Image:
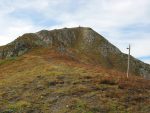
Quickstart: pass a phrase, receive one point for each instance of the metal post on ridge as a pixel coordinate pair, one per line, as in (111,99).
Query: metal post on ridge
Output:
(128,66)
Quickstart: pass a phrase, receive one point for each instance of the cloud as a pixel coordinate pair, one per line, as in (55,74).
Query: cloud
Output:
(120,21)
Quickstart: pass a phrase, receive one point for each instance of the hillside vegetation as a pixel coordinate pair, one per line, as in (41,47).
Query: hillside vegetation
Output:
(45,81)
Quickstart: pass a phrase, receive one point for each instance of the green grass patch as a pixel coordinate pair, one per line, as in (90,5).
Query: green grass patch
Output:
(18,106)
(11,59)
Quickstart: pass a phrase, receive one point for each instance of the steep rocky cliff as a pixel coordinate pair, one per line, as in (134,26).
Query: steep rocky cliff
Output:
(80,43)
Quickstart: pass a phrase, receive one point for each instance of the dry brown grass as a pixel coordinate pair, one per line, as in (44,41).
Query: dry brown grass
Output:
(44,81)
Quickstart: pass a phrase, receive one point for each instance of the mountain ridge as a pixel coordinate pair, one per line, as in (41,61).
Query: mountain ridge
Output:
(82,43)
(72,71)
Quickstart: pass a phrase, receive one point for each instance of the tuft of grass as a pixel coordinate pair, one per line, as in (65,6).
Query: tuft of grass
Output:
(80,106)
(54,73)
(18,106)
(79,89)
(109,81)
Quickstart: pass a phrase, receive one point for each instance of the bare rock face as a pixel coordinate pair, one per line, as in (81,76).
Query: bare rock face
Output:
(20,46)
(87,44)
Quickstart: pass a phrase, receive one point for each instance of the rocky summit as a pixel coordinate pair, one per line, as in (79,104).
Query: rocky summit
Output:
(80,43)
(70,70)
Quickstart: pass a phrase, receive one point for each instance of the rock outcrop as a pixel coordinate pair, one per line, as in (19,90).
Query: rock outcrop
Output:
(83,43)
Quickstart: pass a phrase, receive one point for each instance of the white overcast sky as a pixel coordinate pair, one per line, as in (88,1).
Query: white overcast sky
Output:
(120,21)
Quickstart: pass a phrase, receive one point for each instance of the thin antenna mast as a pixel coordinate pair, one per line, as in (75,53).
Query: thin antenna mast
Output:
(128,68)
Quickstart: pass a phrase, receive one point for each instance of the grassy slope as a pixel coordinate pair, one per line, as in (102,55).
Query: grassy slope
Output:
(46,81)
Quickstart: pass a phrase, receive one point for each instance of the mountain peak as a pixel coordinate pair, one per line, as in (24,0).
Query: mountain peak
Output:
(81,43)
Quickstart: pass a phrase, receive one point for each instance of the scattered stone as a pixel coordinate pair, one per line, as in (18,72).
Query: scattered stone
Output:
(40,87)
(67,106)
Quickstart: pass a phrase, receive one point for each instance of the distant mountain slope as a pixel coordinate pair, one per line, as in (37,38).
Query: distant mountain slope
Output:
(80,43)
